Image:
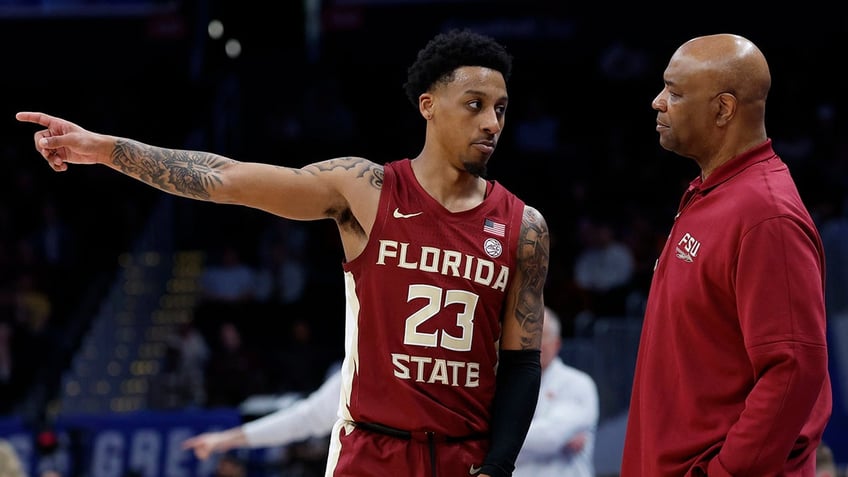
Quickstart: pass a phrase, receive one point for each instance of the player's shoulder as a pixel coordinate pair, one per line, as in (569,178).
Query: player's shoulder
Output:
(532,212)
(345,163)
(348,167)
(534,219)
(534,242)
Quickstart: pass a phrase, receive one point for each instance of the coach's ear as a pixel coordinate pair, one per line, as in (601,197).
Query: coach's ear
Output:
(727,104)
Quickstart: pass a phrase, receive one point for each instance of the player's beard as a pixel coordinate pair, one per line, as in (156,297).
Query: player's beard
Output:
(476,169)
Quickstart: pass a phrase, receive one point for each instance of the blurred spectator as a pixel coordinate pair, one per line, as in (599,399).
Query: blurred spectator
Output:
(54,243)
(309,419)
(300,364)
(294,234)
(645,239)
(194,351)
(235,371)
(10,462)
(282,275)
(54,240)
(181,382)
(561,438)
(174,387)
(229,279)
(603,268)
(283,271)
(825,463)
(33,307)
(26,260)
(10,372)
(36,338)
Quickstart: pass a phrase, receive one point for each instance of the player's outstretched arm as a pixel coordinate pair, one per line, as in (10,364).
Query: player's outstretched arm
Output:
(310,193)
(63,142)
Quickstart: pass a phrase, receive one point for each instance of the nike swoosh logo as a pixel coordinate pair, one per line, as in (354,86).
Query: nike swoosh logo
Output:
(473,470)
(396,214)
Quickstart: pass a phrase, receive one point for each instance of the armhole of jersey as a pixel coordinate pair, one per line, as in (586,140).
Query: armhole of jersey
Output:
(389,181)
(380,217)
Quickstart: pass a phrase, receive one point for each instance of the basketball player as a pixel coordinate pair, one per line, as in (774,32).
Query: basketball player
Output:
(444,269)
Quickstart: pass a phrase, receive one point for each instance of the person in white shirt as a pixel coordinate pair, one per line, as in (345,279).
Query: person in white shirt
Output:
(311,417)
(560,441)
(561,438)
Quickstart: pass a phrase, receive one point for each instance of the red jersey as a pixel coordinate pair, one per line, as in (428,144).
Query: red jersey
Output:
(424,305)
(731,376)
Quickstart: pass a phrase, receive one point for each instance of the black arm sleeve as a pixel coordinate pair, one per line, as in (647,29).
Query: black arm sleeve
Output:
(516,394)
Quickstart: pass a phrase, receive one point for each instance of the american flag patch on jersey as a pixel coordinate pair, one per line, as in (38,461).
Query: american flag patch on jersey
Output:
(494,228)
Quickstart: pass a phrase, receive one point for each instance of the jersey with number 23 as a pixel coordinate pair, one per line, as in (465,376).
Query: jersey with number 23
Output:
(424,303)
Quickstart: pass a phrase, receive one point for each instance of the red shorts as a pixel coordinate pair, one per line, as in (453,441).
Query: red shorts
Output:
(358,453)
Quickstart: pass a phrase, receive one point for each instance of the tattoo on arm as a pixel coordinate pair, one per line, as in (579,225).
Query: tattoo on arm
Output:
(366,169)
(533,256)
(376,175)
(188,173)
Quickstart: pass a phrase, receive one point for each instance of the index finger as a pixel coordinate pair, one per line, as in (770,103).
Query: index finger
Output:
(34,117)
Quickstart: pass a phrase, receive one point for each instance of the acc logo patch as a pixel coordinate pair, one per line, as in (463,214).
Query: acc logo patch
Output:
(493,247)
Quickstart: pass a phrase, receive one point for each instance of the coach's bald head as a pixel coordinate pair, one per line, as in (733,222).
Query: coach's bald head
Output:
(713,105)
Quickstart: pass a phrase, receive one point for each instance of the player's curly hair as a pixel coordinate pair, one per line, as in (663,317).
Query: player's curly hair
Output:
(448,51)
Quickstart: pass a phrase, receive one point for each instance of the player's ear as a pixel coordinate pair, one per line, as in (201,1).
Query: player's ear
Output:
(425,105)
